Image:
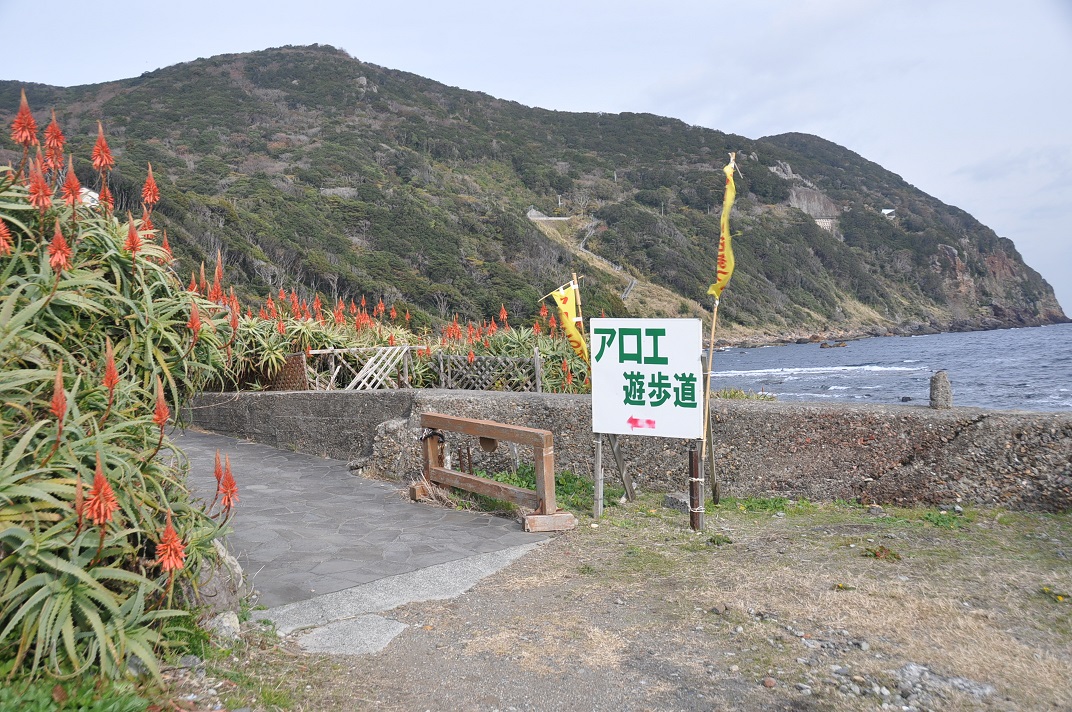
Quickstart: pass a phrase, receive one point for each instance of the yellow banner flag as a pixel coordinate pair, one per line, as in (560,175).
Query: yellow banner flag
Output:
(566,299)
(725,246)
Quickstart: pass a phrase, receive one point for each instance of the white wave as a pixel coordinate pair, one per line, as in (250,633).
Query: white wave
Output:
(811,371)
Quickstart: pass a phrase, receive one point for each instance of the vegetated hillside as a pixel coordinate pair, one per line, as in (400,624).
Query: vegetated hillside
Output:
(312,170)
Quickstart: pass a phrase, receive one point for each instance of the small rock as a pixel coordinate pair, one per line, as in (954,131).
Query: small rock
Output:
(738,629)
(864,645)
(734,668)
(719,609)
(224,626)
(769,682)
(619,602)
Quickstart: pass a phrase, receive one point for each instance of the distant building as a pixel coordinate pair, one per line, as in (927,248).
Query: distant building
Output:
(888,213)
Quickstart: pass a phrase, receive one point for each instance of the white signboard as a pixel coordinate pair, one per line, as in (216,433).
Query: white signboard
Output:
(647,377)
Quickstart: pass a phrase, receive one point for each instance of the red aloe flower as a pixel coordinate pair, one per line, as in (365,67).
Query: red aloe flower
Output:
(147,222)
(569,378)
(407,317)
(391,340)
(101,501)
(543,310)
(502,313)
(353,308)
(362,301)
(105,198)
(24,128)
(5,239)
(72,189)
(192,287)
(59,396)
(166,247)
(471,357)
(170,552)
(394,314)
(281,327)
(102,155)
(133,243)
(40,192)
(150,194)
(218,471)
(59,252)
(536,328)
(111,374)
(228,489)
(54,137)
(161,412)
(195,321)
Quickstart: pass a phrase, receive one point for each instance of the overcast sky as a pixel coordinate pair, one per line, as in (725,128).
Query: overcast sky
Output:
(969,100)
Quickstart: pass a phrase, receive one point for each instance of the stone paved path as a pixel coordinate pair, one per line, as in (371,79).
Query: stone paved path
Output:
(305,526)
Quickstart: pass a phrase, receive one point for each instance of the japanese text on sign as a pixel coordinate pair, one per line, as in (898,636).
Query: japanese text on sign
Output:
(645,374)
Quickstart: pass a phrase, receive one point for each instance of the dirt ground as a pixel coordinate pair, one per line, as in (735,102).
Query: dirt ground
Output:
(774,606)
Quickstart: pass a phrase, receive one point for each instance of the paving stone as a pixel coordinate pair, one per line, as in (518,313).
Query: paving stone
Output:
(305,526)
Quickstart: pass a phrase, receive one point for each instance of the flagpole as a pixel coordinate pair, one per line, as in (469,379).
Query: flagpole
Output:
(707,404)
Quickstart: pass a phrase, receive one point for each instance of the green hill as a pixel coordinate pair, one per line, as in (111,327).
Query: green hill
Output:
(312,170)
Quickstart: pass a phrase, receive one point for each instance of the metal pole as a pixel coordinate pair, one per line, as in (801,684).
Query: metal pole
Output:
(597,505)
(696,496)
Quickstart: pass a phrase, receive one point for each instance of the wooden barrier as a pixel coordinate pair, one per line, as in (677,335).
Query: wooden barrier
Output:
(546,515)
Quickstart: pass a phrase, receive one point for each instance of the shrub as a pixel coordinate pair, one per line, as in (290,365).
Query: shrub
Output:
(99,345)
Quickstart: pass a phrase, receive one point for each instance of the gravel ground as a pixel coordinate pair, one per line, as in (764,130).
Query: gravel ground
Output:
(773,607)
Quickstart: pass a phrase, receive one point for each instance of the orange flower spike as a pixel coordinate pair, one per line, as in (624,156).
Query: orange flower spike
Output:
(161,413)
(362,301)
(58,406)
(166,247)
(407,317)
(536,328)
(502,313)
(391,340)
(192,286)
(6,241)
(102,155)
(24,128)
(105,198)
(353,308)
(101,501)
(133,243)
(72,189)
(170,552)
(40,192)
(59,252)
(218,472)
(228,486)
(472,356)
(147,223)
(543,310)
(111,375)
(150,193)
(394,313)
(54,140)
(195,321)
(569,378)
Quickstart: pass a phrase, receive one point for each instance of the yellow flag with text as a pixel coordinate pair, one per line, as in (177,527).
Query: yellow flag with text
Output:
(725,246)
(566,299)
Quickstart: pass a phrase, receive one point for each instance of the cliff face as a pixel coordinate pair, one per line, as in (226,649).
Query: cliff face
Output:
(311,170)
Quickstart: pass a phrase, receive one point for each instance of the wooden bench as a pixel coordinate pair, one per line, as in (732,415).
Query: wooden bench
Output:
(546,515)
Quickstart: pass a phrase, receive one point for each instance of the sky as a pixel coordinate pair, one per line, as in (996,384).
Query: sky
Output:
(968,100)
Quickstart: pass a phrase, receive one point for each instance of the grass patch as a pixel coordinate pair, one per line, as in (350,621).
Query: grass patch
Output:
(738,394)
(760,505)
(572,492)
(882,552)
(85,695)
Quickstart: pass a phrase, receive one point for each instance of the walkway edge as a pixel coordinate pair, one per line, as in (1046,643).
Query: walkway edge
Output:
(438,582)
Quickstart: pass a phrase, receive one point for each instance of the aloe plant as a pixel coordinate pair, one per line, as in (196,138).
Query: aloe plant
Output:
(99,344)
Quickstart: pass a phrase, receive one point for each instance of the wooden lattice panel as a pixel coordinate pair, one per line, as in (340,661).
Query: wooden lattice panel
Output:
(359,369)
(489,373)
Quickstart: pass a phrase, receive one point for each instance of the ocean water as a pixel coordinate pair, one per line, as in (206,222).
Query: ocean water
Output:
(1010,369)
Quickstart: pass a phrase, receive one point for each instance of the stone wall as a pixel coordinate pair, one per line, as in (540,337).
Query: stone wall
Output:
(885,454)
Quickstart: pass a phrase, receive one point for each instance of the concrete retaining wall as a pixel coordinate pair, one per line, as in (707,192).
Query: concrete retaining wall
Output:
(884,454)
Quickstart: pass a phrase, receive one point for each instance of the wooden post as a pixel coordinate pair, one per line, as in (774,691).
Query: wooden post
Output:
(597,476)
(696,496)
(627,479)
(545,478)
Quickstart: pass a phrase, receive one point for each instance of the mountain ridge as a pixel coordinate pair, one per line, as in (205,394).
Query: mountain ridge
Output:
(312,170)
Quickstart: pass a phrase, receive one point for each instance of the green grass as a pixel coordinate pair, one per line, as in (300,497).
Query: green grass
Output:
(84,695)
(765,505)
(572,492)
(738,394)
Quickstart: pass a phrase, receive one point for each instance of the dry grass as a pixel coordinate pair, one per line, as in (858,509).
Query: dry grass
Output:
(620,615)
